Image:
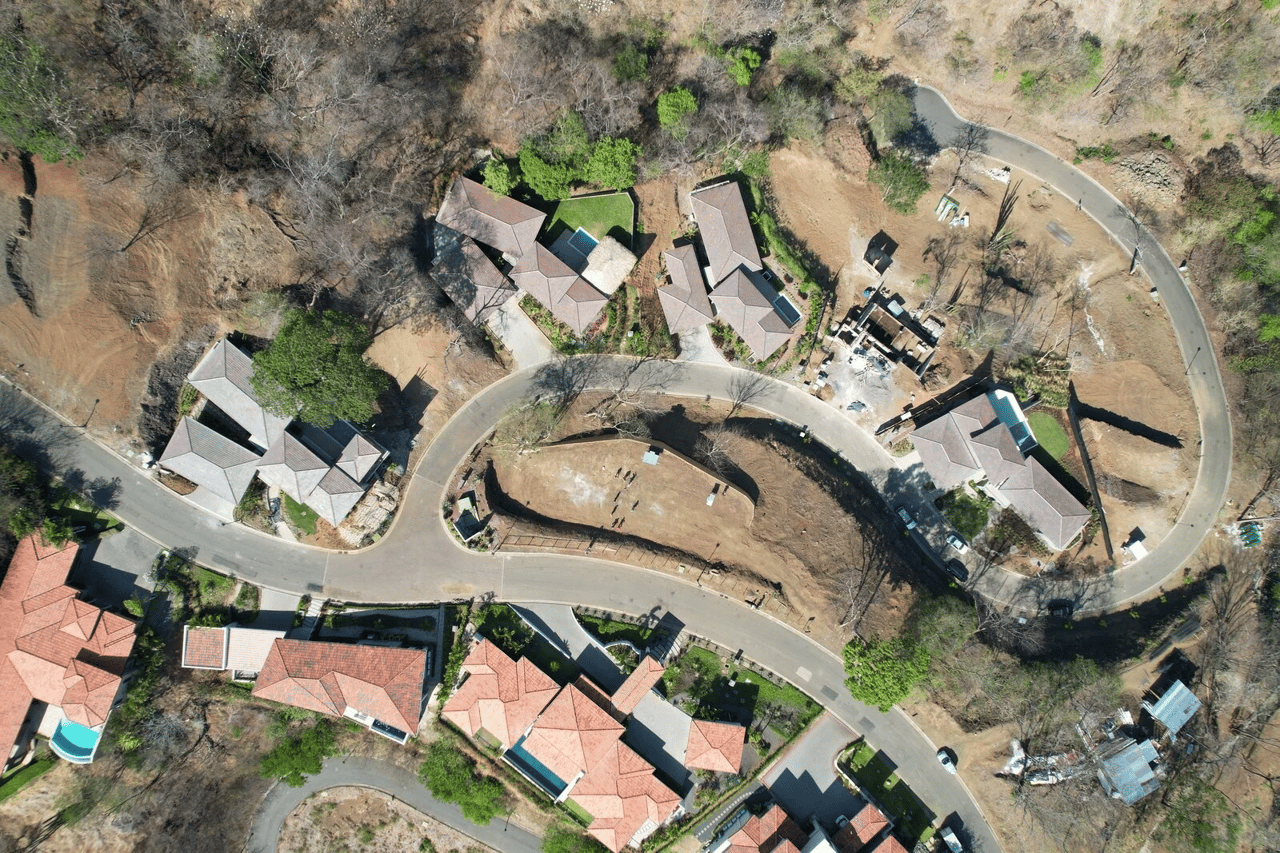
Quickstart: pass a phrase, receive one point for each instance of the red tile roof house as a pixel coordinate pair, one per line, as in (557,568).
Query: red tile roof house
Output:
(60,658)
(742,297)
(377,686)
(772,832)
(567,740)
(986,440)
(861,829)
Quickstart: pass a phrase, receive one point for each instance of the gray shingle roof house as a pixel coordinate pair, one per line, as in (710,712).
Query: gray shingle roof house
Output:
(684,301)
(725,229)
(1174,709)
(1128,769)
(493,220)
(326,469)
(210,460)
(222,376)
(974,442)
(744,300)
(554,284)
(466,274)
(740,294)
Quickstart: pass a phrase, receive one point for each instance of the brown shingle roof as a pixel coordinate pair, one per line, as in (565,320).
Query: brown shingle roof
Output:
(223,376)
(209,459)
(557,287)
(204,648)
(494,220)
(361,455)
(970,441)
(500,695)
(471,280)
(54,647)
(725,229)
(744,300)
(715,746)
(382,682)
(684,301)
(638,683)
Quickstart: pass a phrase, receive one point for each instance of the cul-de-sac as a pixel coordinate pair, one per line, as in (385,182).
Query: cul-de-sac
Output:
(570,426)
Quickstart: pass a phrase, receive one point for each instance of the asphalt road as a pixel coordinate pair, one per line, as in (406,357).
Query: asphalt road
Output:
(395,781)
(1201,507)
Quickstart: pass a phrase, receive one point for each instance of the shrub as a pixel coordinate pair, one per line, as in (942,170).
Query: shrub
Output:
(743,61)
(673,106)
(613,163)
(631,65)
(901,182)
(452,777)
(498,175)
(300,756)
(551,181)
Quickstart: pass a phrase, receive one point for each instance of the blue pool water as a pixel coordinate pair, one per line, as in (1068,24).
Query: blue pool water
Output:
(583,242)
(535,769)
(74,742)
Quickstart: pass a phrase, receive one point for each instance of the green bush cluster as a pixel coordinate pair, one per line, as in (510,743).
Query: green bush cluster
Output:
(1046,374)
(884,672)
(452,777)
(674,106)
(302,755)
(900,180)
(967,514)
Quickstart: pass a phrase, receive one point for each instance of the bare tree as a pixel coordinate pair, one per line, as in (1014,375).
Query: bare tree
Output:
(969,142)
(718,445)
(745,388)
(945,250)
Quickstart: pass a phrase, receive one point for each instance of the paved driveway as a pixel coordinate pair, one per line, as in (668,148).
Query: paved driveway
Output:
(114,567)
(281,800)
(529,347)
(805,782)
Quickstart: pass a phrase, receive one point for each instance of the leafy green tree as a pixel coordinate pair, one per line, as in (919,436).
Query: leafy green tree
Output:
(300,756)
(22,495)
(631,65)
(673,107)
(883,672)
(892,115)
(743,62)
(34,112)
(452,777)
(900,180)
(498,175)
(560,839)
(613,163)
(551,181)
(567,142)
(314,369)
(858,84)
(57,530)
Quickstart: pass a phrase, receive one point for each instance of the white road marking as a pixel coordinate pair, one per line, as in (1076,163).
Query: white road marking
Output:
(804,674)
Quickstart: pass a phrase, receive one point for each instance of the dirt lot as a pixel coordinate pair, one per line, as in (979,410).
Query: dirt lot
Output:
(801,540)
(361,819)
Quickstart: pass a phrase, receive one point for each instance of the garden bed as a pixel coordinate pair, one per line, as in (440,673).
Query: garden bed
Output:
(882,784)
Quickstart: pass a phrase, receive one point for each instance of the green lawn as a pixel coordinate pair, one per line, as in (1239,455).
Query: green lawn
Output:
(611,631)
(968,515)
(1049,434)
(883,784)
(612,215)
(791,709)
(302,516)
(80,512)
(19,779)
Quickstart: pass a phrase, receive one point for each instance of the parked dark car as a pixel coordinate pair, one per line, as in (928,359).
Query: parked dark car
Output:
(907,518)
(957,570)
(1060,608)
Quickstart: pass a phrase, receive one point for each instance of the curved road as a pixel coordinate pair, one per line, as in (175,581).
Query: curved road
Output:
(1201,507)
(398,783)
(419,561)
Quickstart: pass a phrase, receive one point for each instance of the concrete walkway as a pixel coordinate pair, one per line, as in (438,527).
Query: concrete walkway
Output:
(400,784)
(528,346)
(697,346)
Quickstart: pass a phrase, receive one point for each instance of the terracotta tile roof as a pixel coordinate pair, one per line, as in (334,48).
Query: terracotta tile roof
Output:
(888,844)
(204,648)
(490,219)
(744,300)
(626,801)
(725,229)
(766,833)
(572,734)
(715,746)
(209,460)
(684,301)
(597,694)
(223,376)
(970,442)
(382,682)
(862,827)
(639,682)
(555,285)
(53,647)
(500,695)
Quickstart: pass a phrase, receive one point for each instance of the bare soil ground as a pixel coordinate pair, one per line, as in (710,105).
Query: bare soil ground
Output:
(361,819)
(801,541)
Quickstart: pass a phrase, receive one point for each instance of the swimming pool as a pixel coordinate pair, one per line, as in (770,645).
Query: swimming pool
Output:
(534,769)
(74,742)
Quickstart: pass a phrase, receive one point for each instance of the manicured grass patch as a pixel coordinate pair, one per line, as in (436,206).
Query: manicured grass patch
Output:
(701,672)
(1049,434)
(580,814)
(301,516)
(600,216)
(21,778)
(611,631)
(80,511)
(883,784)
(967,514)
